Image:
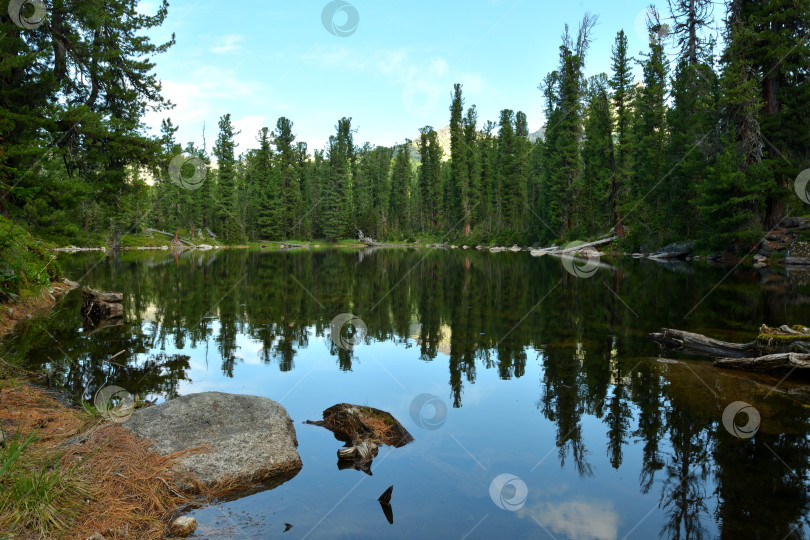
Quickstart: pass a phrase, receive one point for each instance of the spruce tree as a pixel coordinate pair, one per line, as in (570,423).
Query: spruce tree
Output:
(649,137)
(267,190)
(228,214)
(459,187)
(471,198)
(401,179)
(593,192)
(287,163)
(621,84)
(488,152)
(563,91)
(430,180)
(335,193)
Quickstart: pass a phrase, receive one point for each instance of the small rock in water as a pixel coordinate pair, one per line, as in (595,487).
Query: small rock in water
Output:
(183,526)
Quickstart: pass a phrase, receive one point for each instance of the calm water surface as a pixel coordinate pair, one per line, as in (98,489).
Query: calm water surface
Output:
(543,376)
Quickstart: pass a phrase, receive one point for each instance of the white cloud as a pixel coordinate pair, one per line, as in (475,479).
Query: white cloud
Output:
(439,66)
(333,57)
(399,66)
(193,98)
(578,519)
(249,127)
(228,44)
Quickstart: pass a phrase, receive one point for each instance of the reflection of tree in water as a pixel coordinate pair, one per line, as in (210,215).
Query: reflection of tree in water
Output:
(482,311)
(762,483)
(648,396)
(683,492)
(561,403)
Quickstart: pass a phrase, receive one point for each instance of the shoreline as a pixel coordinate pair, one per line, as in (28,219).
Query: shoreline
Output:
(583,250)
(15,312)
(124,487)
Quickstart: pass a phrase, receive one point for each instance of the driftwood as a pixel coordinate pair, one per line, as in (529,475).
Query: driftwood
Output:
(769,363)
(171,235)
(596,244)
(367,240)
(364,430)
(776,350)
(689,343)
(101,309)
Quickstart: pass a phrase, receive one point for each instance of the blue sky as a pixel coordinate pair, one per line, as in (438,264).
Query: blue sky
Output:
(259,60)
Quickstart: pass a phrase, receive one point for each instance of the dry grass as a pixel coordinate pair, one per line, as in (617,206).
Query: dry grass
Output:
(378,425)
(103,479)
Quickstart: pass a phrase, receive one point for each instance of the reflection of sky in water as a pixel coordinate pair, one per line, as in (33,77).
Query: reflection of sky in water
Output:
(441,481)
(577,519)
(585,461)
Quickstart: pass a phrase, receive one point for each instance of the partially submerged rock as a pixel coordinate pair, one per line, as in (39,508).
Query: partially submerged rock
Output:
(183,526)
(679,250)
(240,440)
(799,253)
(363,429)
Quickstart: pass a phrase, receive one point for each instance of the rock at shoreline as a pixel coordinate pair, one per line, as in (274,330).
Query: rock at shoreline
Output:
(250,439)
(183,526)
(799,253)
(680,250)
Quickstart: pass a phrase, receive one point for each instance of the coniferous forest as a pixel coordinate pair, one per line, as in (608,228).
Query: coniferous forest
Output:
(706,146)
(157,386)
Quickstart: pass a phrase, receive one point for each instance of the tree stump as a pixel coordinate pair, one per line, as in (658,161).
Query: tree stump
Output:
(98,306)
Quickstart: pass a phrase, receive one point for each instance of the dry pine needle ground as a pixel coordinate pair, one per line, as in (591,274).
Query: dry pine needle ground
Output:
(114,485)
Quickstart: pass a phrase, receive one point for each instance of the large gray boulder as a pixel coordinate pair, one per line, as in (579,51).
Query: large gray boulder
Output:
(251,439)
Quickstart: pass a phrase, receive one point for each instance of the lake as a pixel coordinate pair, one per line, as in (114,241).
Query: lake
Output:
(538,406)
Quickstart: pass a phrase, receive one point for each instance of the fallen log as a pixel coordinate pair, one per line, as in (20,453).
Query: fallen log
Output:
(171,235)
(769,363)
(596,244)
(690,343)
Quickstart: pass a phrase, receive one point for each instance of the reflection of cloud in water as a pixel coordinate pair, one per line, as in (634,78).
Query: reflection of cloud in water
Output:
(578,519)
